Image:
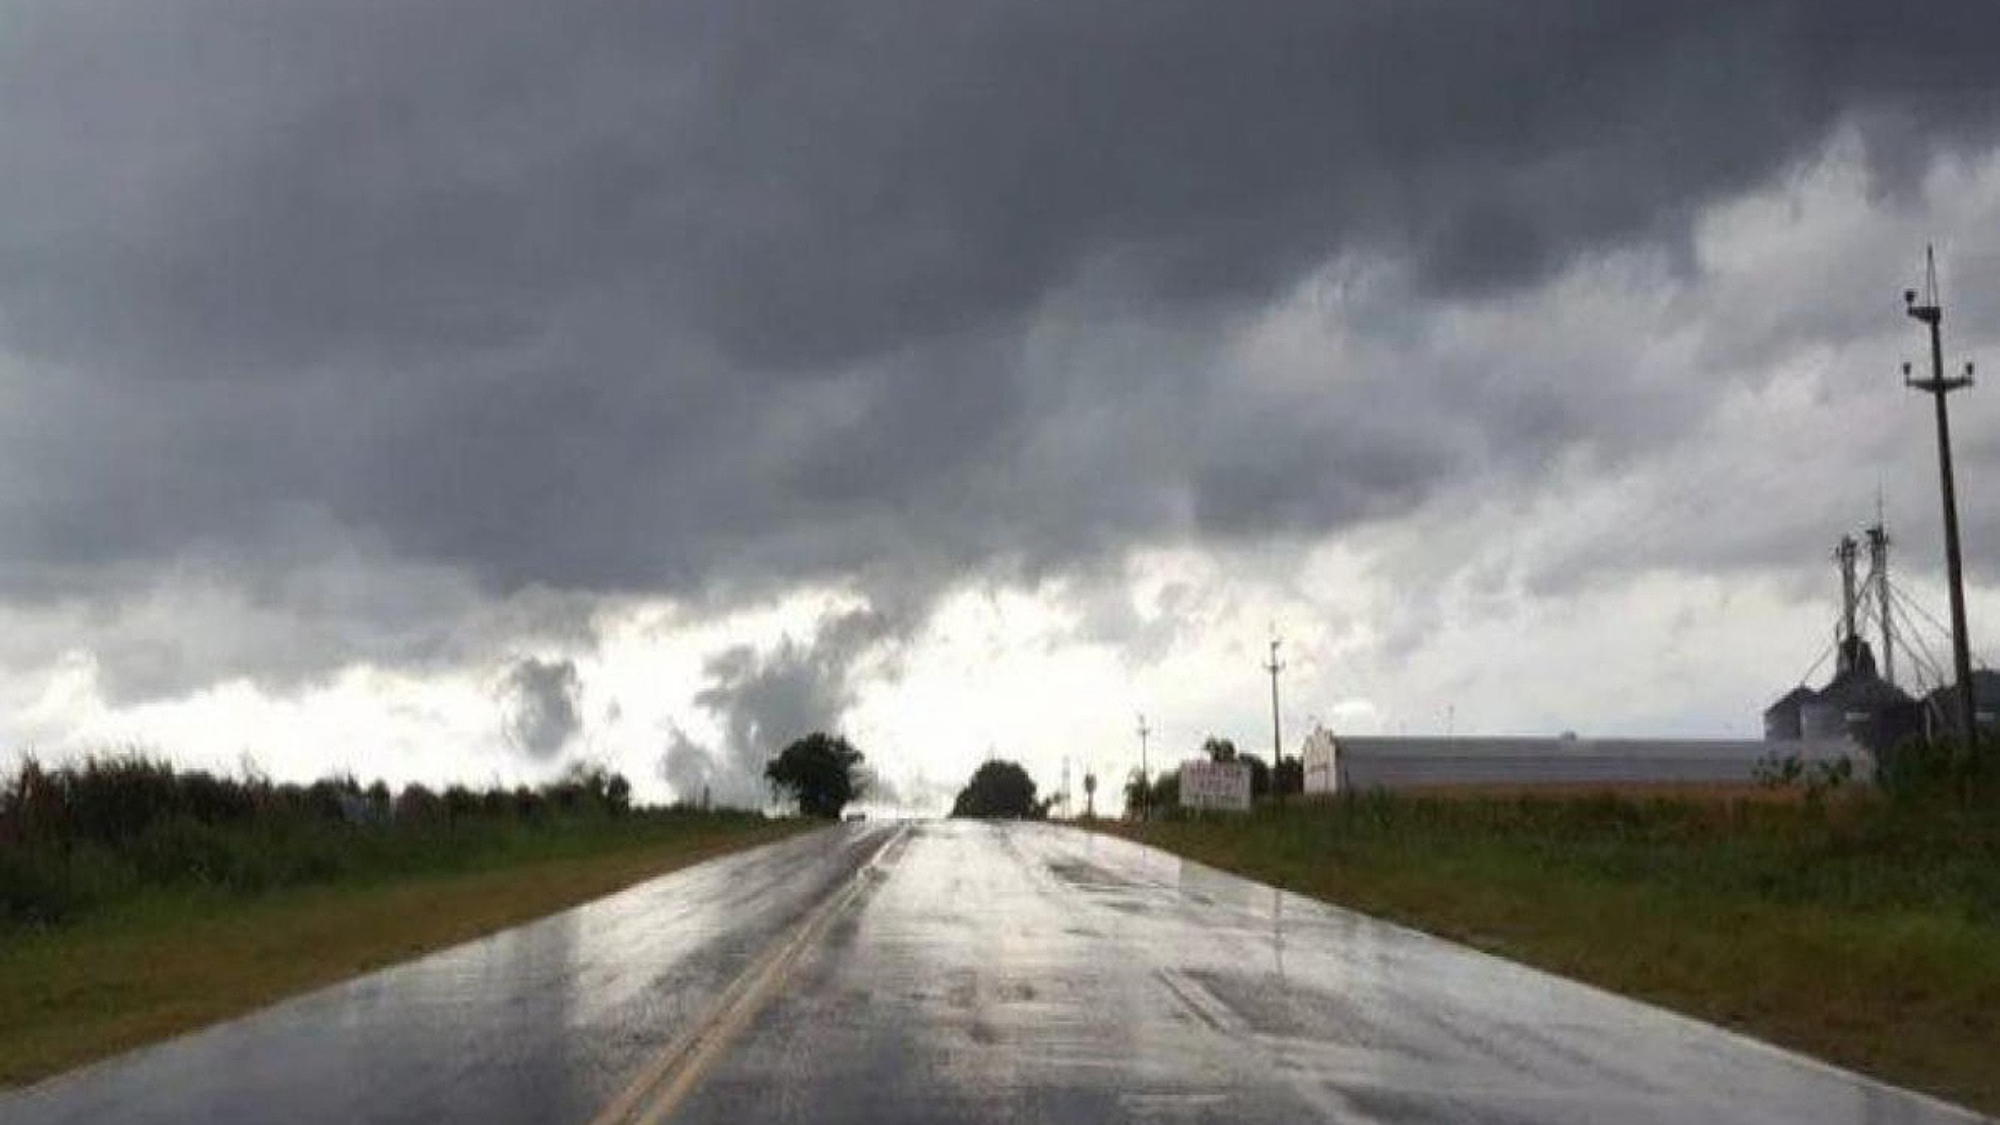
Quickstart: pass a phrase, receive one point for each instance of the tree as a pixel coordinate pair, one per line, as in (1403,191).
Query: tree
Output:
(1135,796)
(1260,774)
(820,772)
(1159,799)
(1089,795)
(1290,775)
(1218,749)
(999,789)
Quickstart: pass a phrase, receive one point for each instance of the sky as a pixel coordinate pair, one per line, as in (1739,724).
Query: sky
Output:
(444,390)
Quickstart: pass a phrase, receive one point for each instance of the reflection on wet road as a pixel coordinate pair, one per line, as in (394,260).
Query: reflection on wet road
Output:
(963,972)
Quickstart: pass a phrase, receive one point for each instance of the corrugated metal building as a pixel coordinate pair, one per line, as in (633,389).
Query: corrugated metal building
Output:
(1942,703)
(1340,763)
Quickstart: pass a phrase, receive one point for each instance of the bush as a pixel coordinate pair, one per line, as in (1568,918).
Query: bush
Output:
(1791,771)
(1920,771)
(77,837)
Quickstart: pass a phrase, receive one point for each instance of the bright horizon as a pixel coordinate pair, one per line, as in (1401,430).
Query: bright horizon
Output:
(444,399)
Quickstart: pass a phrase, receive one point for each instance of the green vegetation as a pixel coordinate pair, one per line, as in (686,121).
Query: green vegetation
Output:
(820,772)
(1861,927)
(80,839)
(1163,793)
(1000,789)
(137,901)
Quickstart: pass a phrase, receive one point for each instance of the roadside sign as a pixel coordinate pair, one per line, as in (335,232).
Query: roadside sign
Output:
(1215,785)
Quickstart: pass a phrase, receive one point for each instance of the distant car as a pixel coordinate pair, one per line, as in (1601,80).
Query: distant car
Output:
(856,816)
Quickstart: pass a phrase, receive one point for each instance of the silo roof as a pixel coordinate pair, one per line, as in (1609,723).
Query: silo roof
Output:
(1862,687)
(1793,698)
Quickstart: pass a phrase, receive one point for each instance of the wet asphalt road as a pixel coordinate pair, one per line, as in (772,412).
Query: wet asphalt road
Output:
(962,972)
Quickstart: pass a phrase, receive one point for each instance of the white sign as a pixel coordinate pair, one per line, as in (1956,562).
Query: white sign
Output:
(1215,785)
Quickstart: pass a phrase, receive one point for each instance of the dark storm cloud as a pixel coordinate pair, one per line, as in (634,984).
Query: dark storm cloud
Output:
(671,297)
(542,703)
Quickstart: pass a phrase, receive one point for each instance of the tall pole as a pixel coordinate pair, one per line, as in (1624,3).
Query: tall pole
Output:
(1145,777)
(1930,312)
(1878,566)
(1277,732)
(1843,554)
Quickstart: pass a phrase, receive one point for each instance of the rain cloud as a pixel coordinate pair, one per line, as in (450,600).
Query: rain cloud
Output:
(703,300)
(763,700)
(542,701)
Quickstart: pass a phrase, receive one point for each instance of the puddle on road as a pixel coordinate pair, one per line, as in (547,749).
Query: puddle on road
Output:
(1085,875)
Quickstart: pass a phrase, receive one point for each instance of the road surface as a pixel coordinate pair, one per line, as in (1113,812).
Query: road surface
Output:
(951,971)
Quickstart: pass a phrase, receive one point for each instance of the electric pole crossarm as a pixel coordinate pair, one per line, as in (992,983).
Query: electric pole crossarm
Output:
(1929,311)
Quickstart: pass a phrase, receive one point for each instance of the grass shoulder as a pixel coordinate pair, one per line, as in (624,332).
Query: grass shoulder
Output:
(170,958)
(1852,930)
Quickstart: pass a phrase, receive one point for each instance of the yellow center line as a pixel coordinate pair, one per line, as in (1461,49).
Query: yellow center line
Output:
(676,1070)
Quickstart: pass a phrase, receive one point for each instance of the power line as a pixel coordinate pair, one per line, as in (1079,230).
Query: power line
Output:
(1903,596)
(1823,654)
(1927,658)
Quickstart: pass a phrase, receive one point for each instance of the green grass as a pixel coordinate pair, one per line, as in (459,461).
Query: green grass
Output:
(161,957)
(1859,930)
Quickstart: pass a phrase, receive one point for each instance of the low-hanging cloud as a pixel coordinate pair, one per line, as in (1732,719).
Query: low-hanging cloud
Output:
(689,769)
(542,703)
(763,700)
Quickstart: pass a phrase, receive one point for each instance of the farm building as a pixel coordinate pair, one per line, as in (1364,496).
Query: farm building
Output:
(1857,704)
(1342,763)
(1941,704)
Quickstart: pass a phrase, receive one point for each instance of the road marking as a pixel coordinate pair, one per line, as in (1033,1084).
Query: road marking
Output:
(674,1072)
(1203,1004)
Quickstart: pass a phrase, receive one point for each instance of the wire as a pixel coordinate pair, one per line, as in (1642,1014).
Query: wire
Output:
(1920,652)
(1942,629)
(1823,654)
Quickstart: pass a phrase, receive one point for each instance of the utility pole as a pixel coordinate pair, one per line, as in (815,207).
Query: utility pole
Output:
(1145,777)
(1277,732)
(1930,312)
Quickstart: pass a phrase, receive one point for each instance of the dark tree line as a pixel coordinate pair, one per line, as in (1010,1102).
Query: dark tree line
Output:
(1000,789)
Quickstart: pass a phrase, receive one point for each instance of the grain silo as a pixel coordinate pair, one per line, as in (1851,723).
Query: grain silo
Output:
(1784,720)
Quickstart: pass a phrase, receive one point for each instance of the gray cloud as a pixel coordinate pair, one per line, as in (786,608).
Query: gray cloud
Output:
(690,769)
(707,298)
(765,699)
(542,701)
